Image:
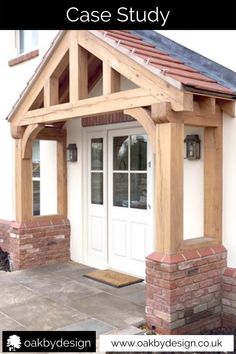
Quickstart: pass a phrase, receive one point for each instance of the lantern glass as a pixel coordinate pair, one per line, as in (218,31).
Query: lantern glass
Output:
(72,153)
(192,147)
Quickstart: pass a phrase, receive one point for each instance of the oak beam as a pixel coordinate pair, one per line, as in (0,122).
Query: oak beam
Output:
(17,131)
(111,79)
(78,69)
(61,177)
(169,187)
(213,183)
(51,92)
(201,116)
(207,105)
(227,106)
(51,134)
(144,118)
(90,106)
(24,208)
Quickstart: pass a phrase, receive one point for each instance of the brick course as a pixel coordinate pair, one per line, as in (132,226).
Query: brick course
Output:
(111,118)
(184,292)
(36,243)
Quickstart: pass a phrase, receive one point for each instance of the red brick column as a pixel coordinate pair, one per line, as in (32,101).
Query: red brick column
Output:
(36,243)
(184,291)
(229,298)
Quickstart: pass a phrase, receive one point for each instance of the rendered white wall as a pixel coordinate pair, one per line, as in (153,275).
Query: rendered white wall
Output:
(13,81)
(48,177)
(194,191)
(76,207)
(229,188)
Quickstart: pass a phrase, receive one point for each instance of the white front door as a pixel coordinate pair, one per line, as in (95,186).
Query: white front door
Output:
(130,233)
(120,233)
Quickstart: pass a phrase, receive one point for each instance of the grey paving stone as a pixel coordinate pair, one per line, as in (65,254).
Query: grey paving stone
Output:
(8,324)
(90,324)
(41,314)
(14,294)
(111,309)
(68,291)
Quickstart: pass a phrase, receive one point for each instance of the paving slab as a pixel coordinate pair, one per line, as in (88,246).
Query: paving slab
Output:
(13,294)
(90,324)
(111,309)
(67,291)
(41,314)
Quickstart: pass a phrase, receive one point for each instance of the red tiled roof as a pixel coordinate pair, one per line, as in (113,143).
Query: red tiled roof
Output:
(169,65)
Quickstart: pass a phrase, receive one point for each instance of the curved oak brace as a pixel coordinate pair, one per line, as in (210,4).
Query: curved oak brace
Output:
(29,135)
(144,118)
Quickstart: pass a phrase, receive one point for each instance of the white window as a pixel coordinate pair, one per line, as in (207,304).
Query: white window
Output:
(27,40)
(36,177)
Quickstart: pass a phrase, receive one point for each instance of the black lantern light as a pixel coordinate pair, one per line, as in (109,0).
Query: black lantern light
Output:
(72,152)
(193,147)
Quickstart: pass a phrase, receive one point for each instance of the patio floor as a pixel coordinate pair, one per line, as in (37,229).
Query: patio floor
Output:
(59,297)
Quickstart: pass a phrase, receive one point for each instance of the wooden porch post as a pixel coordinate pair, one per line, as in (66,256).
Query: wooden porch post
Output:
(23,184)
(169,187)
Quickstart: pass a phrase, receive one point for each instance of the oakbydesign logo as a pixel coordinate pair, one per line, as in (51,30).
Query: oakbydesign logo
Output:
(13,343)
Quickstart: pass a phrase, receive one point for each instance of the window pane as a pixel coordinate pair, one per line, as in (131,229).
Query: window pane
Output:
(120,189)
(97,188)
(28,41)
(36,159)
(138,190)
(97,154)
(138,151)
(36,151)
(120,153)
(36,197)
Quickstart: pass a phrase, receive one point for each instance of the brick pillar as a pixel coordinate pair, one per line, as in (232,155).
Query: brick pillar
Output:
(184,291)
(36,243)
(229,298)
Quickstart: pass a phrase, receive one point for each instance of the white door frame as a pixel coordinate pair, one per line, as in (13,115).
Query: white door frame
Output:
(103,131)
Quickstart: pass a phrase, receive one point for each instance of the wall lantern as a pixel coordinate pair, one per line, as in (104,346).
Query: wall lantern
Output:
(72,152)
(193,147)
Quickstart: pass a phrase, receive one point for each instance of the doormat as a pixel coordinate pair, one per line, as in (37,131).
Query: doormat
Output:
(110,277)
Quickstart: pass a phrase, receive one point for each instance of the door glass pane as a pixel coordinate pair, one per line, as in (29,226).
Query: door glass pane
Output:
(120,189)
(120,153)
(138,190)
(138,152)
(36,198)
(97,154)
(97,188)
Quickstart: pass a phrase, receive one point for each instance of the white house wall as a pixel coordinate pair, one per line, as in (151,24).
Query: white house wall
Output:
(229,190)
(13,81)
(194,191)
(48,177)
(75,190)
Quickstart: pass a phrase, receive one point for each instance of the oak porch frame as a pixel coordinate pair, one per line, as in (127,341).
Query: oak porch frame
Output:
(161,107)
